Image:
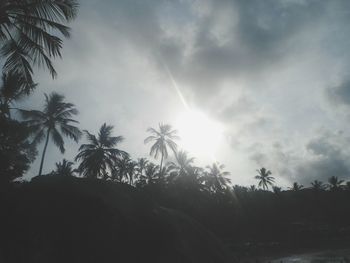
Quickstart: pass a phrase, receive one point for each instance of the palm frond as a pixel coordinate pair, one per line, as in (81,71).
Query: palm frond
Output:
(71,131)
(58,140)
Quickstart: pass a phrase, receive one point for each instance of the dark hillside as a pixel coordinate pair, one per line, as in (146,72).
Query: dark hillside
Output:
(67,219)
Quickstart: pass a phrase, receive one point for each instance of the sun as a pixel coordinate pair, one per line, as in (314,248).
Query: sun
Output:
(199,135)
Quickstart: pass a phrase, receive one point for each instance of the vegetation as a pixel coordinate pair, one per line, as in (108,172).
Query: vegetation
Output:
(64,168)
(53,122)
(265,180)
(29,35)
(99,156)
(16,152)
(163,138)
(296,187)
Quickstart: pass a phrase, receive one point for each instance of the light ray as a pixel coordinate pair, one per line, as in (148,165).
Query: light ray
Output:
(193,121)
(176,87)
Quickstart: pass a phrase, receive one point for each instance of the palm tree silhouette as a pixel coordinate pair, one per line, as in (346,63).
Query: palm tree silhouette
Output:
(335,183)
(64,168)
(277,190)
(317,185)
(252,188)
(183,163)
(11,91)
(29,33)
(150,172)
(163,138)
(124,168)
(141,166)
(193,178)
(216,179)
(99,155)
(54,121)
(265,180)
(296,187)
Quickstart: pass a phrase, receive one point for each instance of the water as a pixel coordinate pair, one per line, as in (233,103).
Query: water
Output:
(334,256)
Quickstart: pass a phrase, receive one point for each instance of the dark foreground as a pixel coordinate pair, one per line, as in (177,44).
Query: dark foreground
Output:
(58,219)
(67,219)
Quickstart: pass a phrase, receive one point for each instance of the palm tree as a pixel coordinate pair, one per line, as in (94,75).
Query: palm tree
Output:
(54,121)
(183,163)
(277,190)
(216,179)
(98,157)
(265,180)
(29,32)
(124,168)
(193,178)
(296,187)
(150,173)
(141,166)
(163,138)
(317,185)
(11,91)
(335,183)
(64,168)
(252,188)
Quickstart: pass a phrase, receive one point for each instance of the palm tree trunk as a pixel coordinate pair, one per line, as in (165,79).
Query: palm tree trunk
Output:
(44,151)
(161,166)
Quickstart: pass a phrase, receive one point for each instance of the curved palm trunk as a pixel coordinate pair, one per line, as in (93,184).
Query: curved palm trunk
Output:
(44,151)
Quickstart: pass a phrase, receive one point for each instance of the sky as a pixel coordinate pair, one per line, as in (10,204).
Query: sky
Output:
(269,78)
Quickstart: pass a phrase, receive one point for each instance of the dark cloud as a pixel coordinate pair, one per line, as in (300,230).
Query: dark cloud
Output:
(230,39)
(327,155)
(330,157)
(340,95)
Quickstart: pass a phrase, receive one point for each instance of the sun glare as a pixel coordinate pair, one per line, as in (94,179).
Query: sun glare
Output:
(200,135)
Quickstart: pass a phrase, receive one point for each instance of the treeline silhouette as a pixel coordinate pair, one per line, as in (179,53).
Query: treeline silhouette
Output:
(298,216)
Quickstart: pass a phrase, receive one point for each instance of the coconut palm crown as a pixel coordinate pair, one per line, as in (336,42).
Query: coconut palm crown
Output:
(98,157)
(265,178)
(54,121)
(162,138)
(29,34)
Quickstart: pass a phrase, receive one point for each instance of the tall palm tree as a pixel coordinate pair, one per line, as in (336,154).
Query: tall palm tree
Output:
(296,187)
(11,90)
(163,138)
(317,185)
(335,183)
(29,31)
(265,180)
(98,157)
(54,121)
(64,168)
(215,178)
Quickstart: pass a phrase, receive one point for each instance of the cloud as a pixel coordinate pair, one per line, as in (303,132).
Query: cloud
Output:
(260,68)
(325,155)
(340,95)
